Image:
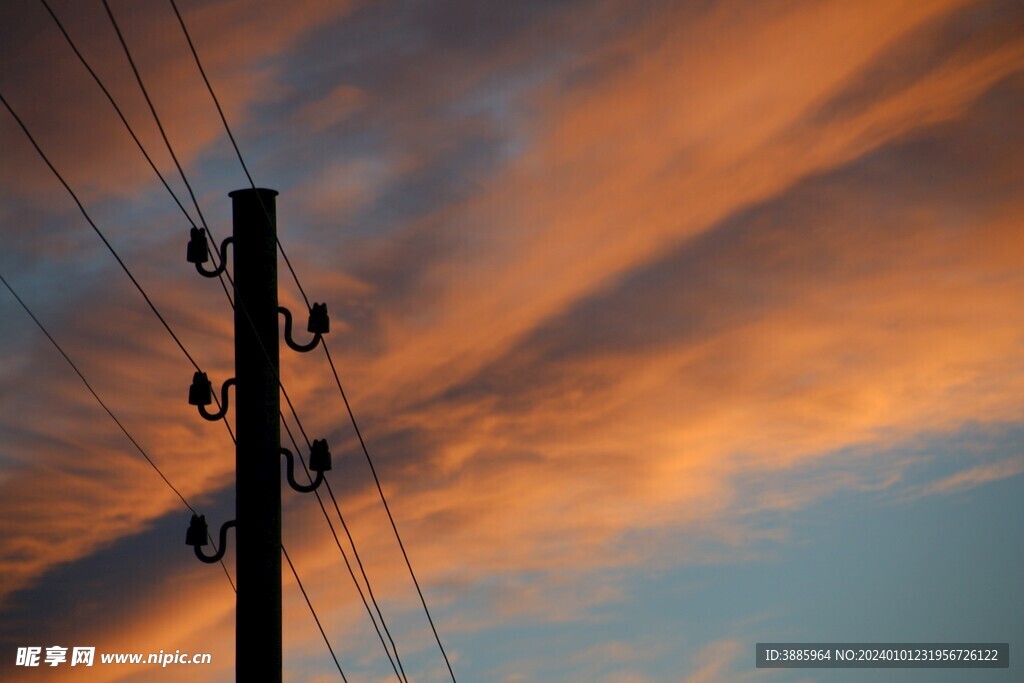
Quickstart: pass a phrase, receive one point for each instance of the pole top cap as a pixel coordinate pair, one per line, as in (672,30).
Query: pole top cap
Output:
(249,190)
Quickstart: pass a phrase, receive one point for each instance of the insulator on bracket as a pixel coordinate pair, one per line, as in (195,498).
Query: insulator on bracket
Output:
(319,462)
(197,531)
(319,324)
(319,456)
(197,250)
(201,391)
(201,394)
(197,536)
(319,321)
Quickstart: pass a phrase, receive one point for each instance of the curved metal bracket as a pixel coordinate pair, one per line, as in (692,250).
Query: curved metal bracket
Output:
(213,417)
(301,348)
(301,488)
(216,557)
(223,261)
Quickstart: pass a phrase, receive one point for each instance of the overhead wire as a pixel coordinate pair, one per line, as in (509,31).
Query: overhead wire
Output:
(238,152)
(138,143)
(131,132)
(94,394)
(399,670)
(188,185)
(313,612)
(355,551)
(387,508)
(108,411)
(348,407)
(120,261)
(199,212)
(167,186)
(128,272)
(152,109)
(163,135)
(106,242)
(141,147)
(120,114)
(96,229)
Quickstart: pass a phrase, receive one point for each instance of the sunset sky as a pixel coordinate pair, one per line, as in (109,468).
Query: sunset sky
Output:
(672,327)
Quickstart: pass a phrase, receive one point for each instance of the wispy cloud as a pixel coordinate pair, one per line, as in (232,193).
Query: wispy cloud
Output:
(714,662)
(970,478)
(596,277)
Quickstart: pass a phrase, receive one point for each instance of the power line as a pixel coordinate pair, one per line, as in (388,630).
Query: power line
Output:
(131,132)
(362,570)
(184,178)
(313,612)
(99,232)
(113,252)
(241,303)
(128,272)
(348,565)
(295,415)
(152,109)
(107,409)
(163,134)
(295,276)
(234,144)
(94,394)
(105,241)
(148,459)
(209,87)
(387,509)
(120,114)
(341,517)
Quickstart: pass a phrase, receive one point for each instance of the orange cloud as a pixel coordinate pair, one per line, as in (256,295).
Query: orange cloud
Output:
(76,125)
(720,254)
(715,661)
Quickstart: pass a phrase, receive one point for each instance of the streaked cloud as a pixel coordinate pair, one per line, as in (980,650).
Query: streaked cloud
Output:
(714,662)
(599,277)
(975,476)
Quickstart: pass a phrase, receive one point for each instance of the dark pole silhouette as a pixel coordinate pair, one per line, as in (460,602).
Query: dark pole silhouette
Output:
(258,451)
(257,523)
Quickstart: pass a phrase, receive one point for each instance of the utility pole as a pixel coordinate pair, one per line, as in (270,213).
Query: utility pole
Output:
(258,427)
(258,448)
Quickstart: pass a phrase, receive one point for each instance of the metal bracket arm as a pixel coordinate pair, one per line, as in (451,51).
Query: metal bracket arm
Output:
(213,417)
(223,261)
(301,348)
(223,545)
(301,488)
